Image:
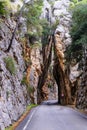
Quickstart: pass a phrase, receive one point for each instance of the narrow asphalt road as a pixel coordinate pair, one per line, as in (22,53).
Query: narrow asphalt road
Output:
(50,116)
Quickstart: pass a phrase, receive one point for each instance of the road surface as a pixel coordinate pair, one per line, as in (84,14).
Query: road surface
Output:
(53,117)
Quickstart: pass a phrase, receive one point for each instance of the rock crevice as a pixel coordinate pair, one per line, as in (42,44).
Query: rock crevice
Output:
(13,95)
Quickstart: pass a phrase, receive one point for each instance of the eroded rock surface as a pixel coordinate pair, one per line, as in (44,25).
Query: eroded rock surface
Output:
(13,95)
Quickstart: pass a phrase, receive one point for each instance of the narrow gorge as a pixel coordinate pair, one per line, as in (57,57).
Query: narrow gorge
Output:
(36,67)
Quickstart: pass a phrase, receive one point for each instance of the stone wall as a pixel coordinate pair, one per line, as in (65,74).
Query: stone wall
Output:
(13,95)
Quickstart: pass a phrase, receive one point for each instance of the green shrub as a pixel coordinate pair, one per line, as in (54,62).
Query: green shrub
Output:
(33,37)
(78,32)
(30,89)
(79,1)
(24,81)
(49,85)
(4,7)
(10,64)
(36,45)
(32,15)
(74,1)
(46,32)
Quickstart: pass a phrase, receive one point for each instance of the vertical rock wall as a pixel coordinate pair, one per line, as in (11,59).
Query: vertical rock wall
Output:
(78,83)
(62,13)
(81,101)
(13,95)
(35,70)
(59,12)
(50,87)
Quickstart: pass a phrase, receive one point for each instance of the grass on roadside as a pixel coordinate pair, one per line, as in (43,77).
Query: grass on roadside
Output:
(29,107)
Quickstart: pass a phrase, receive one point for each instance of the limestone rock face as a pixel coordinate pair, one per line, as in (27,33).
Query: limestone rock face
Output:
(59,72)
(50,87)
(35,70)
(59,11)
(62,14)
(55,11)
(59,50)
(74,73)
(13,95)
(46,10)
(53,92)
(81,101)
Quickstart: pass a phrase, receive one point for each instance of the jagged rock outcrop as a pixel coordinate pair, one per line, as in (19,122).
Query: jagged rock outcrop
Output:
(59,11)
(62,14)
(74,77)
(81,101)
(13,95)
(77,82)
(35,70)
(33,73)
(64,91)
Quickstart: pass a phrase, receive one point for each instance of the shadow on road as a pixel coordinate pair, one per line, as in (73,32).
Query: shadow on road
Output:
(50,102)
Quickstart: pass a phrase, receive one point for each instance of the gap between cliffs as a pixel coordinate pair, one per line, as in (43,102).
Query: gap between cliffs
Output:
(64,92)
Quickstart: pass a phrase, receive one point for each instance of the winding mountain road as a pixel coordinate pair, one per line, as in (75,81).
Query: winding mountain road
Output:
(53,117)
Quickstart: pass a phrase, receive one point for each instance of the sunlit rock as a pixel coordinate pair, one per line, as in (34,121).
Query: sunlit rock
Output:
(74,73)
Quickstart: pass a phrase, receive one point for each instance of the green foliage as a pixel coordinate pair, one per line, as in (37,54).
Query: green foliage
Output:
(36,45)
(49,85)
(28,61)
(9,128)
(30,88)
(32,15)
(10,64)
(33,37)
(4,7)
(24,80)
(46,32)
(30,106)
(81,2)
(77,2)
(54,26)
(78,31)
(32,12)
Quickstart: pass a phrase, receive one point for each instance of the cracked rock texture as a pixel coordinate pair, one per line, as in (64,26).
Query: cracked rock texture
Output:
(13,95)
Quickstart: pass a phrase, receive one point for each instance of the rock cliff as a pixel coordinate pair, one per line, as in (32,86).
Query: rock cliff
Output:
(22,66)
(13,95)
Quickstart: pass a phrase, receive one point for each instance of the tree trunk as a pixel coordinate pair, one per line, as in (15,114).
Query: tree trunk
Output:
(14,32)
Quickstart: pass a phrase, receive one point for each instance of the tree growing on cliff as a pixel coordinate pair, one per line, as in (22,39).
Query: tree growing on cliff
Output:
(31,11)
(4,7)
(77,51)
(78,32)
